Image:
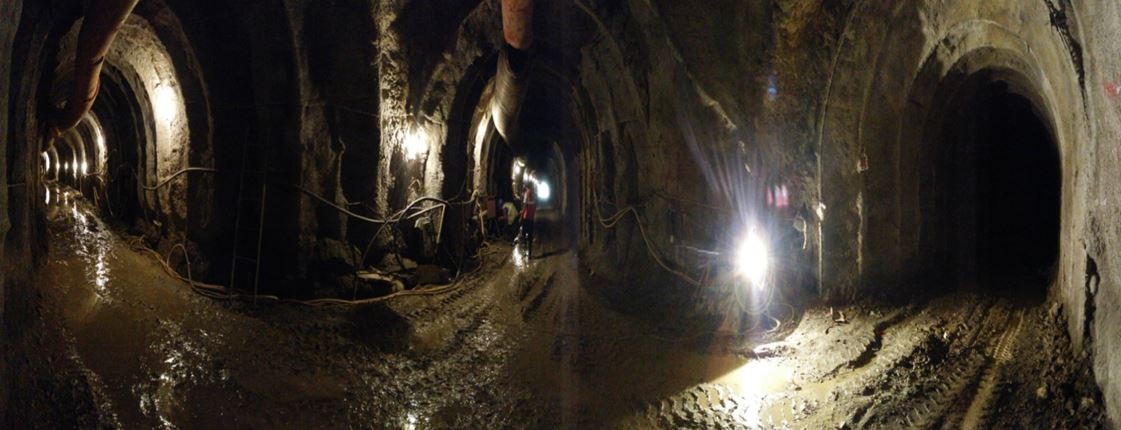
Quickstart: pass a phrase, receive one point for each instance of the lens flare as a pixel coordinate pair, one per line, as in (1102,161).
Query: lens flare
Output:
(753,260)
(415,144)
(543,190)
(166,103)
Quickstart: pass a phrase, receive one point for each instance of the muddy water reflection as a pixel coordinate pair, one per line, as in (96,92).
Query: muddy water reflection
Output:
(520,345)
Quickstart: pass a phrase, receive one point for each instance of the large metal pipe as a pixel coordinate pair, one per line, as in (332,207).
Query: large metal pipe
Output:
(517,23)
(513,63)
(103,19)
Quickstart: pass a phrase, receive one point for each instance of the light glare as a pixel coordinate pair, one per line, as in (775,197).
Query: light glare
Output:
(166,103)
(543,190)
(415,145)
(752,259)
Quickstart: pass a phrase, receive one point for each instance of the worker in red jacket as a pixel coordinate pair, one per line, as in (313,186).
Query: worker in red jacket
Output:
(529,211)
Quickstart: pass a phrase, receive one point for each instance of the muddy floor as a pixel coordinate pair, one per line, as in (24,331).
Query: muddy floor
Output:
(116,342)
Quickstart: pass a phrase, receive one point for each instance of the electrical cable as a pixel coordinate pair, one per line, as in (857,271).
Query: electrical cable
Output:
(219,292)
(759,310)
(612,221)
(177,174)
(337,207)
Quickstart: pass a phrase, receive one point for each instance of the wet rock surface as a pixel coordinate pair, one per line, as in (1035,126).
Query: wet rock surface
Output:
(522,344)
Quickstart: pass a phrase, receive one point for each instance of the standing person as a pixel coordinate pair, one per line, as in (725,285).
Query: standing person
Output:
(529,211)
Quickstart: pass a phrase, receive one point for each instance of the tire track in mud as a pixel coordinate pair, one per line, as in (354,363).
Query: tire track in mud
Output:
(901,385)
(870,345)
(982,344)
(703,406)
(886,352)
(458,383)
(893,396)
(943,394)
(977,413)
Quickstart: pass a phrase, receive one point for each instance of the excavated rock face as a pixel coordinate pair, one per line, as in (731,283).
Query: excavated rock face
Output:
(891,106)
(867,112)
(9,15)
(849,132)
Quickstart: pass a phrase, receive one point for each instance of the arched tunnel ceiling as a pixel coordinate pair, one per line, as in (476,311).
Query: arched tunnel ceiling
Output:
(909,53)
(150,74)
(688,115)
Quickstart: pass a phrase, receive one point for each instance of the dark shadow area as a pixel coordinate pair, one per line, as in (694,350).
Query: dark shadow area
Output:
(994,223)
(122,118)
(1018,195)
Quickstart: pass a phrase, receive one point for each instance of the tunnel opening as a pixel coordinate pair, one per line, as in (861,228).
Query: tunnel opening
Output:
(1019,193)
(122,117)
(1000,191)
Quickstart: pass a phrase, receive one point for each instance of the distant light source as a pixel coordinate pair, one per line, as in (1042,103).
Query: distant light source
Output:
(752,259)
(543,190)
(519,165)
(100,149)
(415,144)
(166,103)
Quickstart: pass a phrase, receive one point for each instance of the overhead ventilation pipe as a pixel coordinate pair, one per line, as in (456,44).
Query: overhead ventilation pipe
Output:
(510,81)
(103,20)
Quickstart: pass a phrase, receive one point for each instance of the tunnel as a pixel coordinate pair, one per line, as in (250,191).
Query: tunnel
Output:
(1020,187)
(636,214)
(998,213)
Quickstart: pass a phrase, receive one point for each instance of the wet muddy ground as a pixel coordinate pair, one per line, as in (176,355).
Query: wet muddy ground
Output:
(116,342)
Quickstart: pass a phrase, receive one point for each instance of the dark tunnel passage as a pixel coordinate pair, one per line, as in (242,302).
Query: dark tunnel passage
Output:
(1003,185)
(428,214)
(1018,196)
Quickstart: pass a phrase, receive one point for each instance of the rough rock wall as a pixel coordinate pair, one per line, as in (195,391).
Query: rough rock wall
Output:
(149,71)
(9,21)
(836,104)
(417,84)
(891,59)
(884,81)
(1092,292)
(364,77)
(672,97)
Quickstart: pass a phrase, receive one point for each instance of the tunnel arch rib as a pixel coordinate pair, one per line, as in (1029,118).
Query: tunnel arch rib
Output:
(867,149)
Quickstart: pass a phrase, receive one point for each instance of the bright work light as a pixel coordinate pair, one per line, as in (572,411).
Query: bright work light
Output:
(752,259)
